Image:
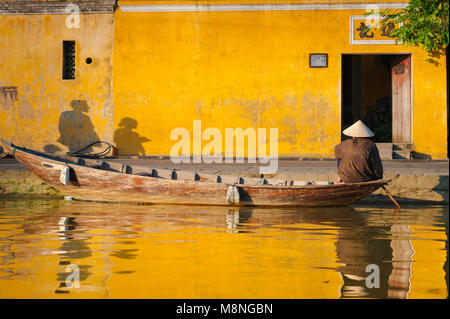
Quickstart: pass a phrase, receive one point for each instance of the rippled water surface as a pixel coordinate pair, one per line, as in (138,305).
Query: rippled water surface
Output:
(137,251)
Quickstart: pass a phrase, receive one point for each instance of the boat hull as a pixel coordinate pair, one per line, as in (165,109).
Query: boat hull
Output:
(87,183)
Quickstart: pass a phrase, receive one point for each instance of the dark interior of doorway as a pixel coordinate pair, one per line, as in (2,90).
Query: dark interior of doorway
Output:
(367,93)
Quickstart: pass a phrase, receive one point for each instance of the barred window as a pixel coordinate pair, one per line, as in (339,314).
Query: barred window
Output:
(68,67)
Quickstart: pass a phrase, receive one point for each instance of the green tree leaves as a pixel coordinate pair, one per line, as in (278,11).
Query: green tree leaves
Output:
(425,25)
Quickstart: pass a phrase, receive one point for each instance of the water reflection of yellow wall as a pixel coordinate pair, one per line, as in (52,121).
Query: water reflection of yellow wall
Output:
(428,281)
(228,268)
(131,251)
(166,265)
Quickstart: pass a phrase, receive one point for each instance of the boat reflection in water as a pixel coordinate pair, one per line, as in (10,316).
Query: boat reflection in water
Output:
(140,251)
(392,256)
(72,270)
(357,246)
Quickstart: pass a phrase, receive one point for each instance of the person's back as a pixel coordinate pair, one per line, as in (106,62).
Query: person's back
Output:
(359,160)
(358,157)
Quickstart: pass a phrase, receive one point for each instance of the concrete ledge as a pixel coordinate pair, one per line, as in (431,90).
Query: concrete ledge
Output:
(423,189)
(418,188)
(23,184)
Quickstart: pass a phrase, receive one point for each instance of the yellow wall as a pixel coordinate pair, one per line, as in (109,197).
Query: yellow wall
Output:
(227,69)
(251,69)
(31,60)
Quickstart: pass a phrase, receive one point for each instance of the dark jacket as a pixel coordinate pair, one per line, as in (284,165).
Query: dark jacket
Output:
(358,160)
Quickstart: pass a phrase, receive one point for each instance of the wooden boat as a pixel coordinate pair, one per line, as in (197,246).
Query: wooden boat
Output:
(94,180)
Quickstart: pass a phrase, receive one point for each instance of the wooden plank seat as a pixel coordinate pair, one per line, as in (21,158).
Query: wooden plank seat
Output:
(174,174)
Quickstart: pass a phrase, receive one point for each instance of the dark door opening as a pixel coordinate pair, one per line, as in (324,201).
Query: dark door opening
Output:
(376,89)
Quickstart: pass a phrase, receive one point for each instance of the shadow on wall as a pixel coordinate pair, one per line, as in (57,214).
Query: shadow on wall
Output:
(127,141)
(418,155)
(52,149)
(75,129)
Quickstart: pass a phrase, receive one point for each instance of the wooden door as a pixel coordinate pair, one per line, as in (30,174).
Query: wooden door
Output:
(401,99)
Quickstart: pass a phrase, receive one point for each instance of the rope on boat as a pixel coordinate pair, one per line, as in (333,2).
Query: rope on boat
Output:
(233,195)
(108,148)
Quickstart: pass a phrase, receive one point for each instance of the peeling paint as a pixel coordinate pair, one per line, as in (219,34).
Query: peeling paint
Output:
(228,69)
(8,97)
(251,69)
(42,96)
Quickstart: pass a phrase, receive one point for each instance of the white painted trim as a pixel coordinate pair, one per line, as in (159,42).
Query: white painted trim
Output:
(257,7)
(352,32)
(411,103)
(51,13)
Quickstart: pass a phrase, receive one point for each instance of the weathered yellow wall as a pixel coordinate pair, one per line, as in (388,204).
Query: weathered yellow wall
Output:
(429,106)
(228,69)
(251,69)
(31,60)
(237,69)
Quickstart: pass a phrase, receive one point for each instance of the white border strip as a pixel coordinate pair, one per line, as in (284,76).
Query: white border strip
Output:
(352,32)
(257,7)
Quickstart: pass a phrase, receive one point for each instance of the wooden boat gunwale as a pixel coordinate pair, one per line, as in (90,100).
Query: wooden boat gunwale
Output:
(66,159)
(206,180)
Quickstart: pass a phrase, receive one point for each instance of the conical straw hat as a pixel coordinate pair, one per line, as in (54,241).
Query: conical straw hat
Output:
(359,129)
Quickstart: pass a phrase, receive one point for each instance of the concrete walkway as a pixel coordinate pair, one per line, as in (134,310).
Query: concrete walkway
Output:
(285,166)
(412,181)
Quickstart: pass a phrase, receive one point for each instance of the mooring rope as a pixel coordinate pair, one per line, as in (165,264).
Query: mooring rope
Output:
(108,148)
(104,152)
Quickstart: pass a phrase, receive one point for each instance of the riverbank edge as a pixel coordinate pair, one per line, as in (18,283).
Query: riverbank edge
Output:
(407,189)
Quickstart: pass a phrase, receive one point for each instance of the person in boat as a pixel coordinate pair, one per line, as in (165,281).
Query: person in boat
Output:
(358,157)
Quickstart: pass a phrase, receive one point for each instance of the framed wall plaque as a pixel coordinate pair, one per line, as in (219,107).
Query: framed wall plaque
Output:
(318,60)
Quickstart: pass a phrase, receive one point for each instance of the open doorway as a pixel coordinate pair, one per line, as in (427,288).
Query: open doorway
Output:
(376,88)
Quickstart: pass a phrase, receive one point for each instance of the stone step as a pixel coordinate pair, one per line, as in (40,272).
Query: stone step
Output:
(385,150)
(401,154)
(403,147)
(402,151)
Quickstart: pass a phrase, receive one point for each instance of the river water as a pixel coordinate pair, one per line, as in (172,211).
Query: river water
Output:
(71,249)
